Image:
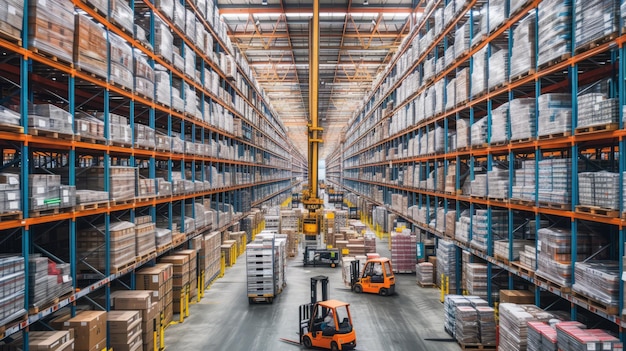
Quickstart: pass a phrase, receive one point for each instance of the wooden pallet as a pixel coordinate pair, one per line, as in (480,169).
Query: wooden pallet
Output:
(502,259)
(554,61)
(556,206)
(52,56)
(120,86)
(49,303)
(555,135)
(522,75)
(11,128)
(91,206)
(48,212)
(611,310)
(598,211)
(598,128)
(146,257)
(121,202)
(597,42)
(480,146)
(120,268)
(160,250)
(89,140)
(522,202)
(50,134)
(523,269)
(10,33)
(426,285)
(10,216)
(473,346)
(553,285)
(523,140)
(119,144)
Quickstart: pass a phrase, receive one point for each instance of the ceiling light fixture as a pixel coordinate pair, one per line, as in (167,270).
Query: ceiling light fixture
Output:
(365,2)
(264,2)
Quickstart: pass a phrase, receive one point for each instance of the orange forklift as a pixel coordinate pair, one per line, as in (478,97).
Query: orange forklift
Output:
(326,324)
(377,277)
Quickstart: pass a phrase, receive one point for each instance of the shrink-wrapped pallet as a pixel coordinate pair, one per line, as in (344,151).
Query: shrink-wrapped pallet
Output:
(90,46)
(121,61)
(555,114)
(595,19)
(522,118)
(598,280)
(554,34)
(51,28)
(595,109)
(144,76)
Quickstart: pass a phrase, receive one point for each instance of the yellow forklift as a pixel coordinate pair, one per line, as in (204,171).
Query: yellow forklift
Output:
(377,277)
(326,324)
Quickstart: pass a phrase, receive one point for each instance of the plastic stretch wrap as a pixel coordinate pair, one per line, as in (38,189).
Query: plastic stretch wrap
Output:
(51,28)
(121,59)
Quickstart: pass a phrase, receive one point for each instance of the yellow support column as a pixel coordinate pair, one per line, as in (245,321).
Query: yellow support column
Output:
(187,298)
(181,307)
(199,287)
(203,286)
(162,331)
(443,288)
(222,265)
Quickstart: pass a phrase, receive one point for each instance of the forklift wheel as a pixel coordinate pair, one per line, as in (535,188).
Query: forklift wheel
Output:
(383,292)
(358,289)
(332,265)
(334,346)
(307,342)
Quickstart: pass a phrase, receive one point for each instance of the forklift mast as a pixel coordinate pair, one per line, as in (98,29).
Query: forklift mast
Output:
(355,273)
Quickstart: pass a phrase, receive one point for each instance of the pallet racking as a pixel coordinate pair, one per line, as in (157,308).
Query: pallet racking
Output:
(465,121)
(200,132)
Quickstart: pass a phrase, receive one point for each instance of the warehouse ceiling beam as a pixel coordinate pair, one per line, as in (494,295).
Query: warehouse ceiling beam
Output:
(226,10)
(245,35)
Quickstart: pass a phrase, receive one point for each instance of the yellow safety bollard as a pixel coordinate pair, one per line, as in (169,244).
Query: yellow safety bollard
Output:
(447,285)
(222,265)
(181,315)
(162,331)
(199,287)
(443,287)
(187,298)
(155,336)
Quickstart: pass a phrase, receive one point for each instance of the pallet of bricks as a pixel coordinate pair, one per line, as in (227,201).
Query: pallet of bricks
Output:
(91,249)
(159,280)
(265,267)
(180,282)
(471,322)
(403,251)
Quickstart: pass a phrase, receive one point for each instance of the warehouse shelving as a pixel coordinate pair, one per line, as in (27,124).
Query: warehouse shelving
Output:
(408,146)
(231,149)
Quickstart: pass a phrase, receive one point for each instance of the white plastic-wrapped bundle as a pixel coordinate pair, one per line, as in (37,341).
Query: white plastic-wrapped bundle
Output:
(462,86)
(446,263)
(595,19)
(599,280)
(514,327)
(523,50)
(498,183)
(500,123)
(479,185)
(595,109)
(462,40)
(462,133)
(555,184)
(522,118)
(479,132)
(144,75)
(450,94)
(163,87)
(524,186)
(479,71)
(599,189)
(554,253)
(496,13)
(555,114)
(462,228)
(498,63)
(555,17)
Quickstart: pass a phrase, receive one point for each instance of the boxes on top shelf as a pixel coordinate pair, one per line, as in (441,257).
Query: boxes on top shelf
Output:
(595,20)
(90,46)
(121,62)
(51,28)
(11,18)
(555,17)
(523,50)
(122,14)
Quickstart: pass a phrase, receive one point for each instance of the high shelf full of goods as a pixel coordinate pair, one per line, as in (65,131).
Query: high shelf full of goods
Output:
(498,130)
(128,129)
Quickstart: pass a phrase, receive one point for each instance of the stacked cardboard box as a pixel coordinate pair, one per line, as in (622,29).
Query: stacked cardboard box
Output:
(51,28)
(49,117)
(144,136)
(47,280)
(90,330)
(121,61)
(124,330)
(517,296)
(41,340)
(11,17)
(10,193)
(193,270)
(180,280)
(145,233)
(140,301)
(12,285)
(158,279)
(87,126)
(122,181)
(144,75)
(90,46)
(91,249)
(210,255)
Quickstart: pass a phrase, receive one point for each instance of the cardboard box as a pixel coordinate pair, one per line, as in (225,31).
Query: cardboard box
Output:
(126,337)
(131,299)
(517,296)
(51,341)
(89,328)
(122,321)
(133,345)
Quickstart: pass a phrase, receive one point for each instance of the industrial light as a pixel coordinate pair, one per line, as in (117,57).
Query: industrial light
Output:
(264,2)
(258,23)
(366,2)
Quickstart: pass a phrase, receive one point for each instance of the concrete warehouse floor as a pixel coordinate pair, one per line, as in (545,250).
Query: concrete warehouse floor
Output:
(224,320)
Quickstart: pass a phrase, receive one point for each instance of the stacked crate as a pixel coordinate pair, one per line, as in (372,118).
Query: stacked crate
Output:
(47,193)
(424,273)
(10,193)
(595,109)
(122,181)
(599,280)
(261,267)
(501,248)
(554,249)
(524,182)
(121,62)
(498,227)
(210,255)
(288,220)
(555,181)
(91,249)
(180,280)
(403,251)
(514,327)
(50,118)
(600,189)
(90,46)
(141,302)
(41,340)
(11,17)
(446,263)
(498,183)
(555,114)
(500,124)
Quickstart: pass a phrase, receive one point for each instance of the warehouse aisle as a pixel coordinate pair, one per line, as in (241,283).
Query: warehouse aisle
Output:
(223,320)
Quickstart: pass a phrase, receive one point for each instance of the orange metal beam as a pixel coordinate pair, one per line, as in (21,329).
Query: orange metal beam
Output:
(308,10)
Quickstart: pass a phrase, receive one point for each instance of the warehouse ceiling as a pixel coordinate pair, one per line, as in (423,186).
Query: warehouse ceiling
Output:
(357,40)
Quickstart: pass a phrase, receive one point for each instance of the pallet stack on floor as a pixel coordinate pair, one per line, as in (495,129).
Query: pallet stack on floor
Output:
(403,251)
(266,262)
